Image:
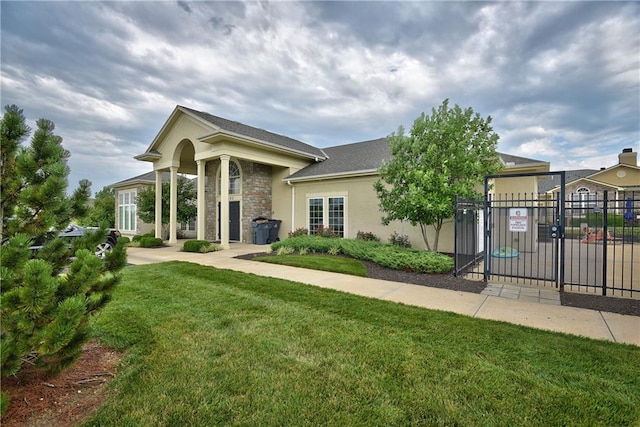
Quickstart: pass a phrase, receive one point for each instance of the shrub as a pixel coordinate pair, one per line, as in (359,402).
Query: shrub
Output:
(386,255)
(401,240)
(299,232)
(195,245)
(139,237)
(367,235)
(210,248)
(334,250)
(124,239)
(150,242)
(323,231)
(285,250)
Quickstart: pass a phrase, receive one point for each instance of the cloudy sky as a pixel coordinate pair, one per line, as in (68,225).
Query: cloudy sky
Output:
(561,80)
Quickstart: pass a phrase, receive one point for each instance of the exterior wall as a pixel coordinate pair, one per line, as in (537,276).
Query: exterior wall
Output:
(256,196)
(630,176)
(362,212)
(141,227)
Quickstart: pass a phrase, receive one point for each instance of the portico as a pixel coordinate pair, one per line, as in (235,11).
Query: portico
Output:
(239,170)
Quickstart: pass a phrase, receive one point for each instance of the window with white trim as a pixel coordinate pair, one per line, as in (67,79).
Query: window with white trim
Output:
(316,214)
(327,212)
(582,200)
(234,178)
(127,218)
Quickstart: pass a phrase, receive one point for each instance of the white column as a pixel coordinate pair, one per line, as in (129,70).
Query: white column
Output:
(224,201)
(173,206)
(158,222)
(202,202)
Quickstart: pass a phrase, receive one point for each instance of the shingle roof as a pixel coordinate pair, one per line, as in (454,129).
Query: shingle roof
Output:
(259,134)
(367,156)
(350,158)
(552,181)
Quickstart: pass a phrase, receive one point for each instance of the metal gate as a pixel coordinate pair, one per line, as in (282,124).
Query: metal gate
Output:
(561,241)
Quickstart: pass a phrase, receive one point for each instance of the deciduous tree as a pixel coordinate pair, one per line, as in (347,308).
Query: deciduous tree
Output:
(186,203)
(446,153)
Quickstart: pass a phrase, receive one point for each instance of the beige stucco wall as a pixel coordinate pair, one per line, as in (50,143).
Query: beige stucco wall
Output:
(141,227)
(362,212)
(631,176)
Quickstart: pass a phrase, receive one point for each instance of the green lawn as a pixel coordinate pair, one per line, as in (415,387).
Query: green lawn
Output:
(319,262)
(215,347)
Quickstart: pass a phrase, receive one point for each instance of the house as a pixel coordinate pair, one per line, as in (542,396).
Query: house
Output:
(244,172)
(585,187)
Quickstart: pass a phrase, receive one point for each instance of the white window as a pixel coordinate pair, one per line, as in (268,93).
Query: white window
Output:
(188,226)
(127,217)
(583,200)
(327,212)
(234,178)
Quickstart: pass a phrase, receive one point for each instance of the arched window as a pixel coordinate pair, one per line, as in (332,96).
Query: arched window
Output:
(234,178)
(583,199)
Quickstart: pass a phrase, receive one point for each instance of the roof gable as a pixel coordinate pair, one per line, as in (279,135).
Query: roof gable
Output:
(257,134)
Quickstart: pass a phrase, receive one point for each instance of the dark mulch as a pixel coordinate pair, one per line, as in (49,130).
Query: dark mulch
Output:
(449,281)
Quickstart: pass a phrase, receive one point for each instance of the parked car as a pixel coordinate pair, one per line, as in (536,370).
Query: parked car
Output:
(74,231)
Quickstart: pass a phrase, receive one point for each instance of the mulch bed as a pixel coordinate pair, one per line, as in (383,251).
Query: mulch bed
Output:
(66,400)
(626,306)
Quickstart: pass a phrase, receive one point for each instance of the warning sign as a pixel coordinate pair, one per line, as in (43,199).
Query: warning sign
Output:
(518,219)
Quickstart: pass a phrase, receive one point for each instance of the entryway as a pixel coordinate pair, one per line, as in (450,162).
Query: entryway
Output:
(234,221)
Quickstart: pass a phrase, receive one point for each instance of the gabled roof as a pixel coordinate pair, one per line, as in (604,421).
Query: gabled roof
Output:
(258,134)
(366,157)
(553,181)
(351,159)
(148,178)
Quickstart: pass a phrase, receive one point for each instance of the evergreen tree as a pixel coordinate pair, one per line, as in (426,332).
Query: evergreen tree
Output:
(102,213)
(47,297)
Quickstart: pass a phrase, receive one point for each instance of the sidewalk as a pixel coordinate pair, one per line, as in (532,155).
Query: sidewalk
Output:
(542,312)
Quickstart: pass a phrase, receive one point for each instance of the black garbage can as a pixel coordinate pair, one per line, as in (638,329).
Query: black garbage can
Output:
(260,228)
(274,228)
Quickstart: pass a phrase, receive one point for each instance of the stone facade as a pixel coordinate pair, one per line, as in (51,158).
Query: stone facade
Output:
(255,198)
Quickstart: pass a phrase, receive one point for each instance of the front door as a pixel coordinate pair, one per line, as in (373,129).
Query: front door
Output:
(234,221)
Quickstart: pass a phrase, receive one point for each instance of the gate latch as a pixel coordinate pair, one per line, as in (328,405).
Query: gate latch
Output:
(555,231)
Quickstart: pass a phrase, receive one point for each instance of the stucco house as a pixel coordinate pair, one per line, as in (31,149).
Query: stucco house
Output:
(244,172)
(585,187)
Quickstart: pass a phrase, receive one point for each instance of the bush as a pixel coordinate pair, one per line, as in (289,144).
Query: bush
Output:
(139,237)
(195,245)
(401,240)
(367,235)
(299,232)
(150,242)
(385,255)
(323,231)
(124,239)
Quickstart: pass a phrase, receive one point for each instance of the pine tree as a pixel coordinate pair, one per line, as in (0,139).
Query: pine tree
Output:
(46,297)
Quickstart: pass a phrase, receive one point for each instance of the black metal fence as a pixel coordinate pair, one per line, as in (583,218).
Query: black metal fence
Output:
(583,243)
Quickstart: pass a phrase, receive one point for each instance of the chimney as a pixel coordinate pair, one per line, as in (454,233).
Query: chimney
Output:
(628,157)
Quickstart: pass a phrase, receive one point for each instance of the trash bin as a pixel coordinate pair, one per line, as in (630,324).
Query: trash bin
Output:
(260,231)
(274,228)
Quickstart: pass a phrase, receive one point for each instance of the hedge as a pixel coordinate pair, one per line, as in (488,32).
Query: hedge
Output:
(386,255)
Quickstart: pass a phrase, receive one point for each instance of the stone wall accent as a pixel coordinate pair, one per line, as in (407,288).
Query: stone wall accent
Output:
(211,173)
(256,195)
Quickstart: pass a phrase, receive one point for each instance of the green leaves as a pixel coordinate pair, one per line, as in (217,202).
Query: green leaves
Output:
(447,153)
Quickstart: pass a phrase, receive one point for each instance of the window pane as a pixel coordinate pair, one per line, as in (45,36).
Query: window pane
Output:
(336,215)
(315,214)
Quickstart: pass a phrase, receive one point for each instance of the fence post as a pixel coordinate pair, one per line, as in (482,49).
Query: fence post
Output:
(605,233)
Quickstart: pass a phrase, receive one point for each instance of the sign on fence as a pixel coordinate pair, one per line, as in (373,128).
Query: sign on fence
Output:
(518,219)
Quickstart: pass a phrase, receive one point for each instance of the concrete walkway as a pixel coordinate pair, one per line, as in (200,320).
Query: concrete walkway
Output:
(523,306)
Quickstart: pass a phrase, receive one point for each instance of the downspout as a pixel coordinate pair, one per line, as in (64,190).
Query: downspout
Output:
(293,205)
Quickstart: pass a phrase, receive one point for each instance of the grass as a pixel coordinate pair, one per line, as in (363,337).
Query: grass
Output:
(215,347)
(319,262)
